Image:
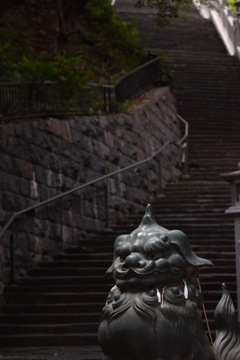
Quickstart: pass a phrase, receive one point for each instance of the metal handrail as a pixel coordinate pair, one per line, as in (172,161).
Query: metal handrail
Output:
(183,141)
(186,133)
(37,99)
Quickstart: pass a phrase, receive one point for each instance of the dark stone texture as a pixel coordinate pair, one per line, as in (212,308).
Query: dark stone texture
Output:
(41,158)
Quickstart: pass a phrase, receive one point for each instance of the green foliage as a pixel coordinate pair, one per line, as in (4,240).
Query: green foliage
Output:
(116,41)
(12,48)
(40,67)
(100,9)
(231,4)
(165,75)
(7,67)
(65,71)
(109,48)
(13,44)
(167,10)
(65,74)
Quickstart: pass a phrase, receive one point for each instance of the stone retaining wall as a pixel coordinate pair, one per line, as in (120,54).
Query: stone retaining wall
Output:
(42,158)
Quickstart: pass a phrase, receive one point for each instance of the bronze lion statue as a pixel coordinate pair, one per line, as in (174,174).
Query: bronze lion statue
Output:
(152,313)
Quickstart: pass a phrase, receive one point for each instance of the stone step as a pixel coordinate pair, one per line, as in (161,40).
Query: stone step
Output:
(52,308)
(215,286)
(214,296)
(177,212)
(221,197)
(218,277)
(66,272)
(67,280)
(228,250)
(200,209)
(54,340)
(54,298)
(77,264)
(194,211)
(189,221)
(198,186)
(207,197)
(77,288)
(205,230)
(229,155)
(50,329)
(43,318)
(81,255)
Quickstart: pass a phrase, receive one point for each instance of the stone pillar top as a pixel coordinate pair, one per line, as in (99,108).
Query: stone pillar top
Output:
(234,179)
(230,177)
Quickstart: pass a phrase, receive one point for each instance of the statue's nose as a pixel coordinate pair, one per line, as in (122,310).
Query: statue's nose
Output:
(134,260)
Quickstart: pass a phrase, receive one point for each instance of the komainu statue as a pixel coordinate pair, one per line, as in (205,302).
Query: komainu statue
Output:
(152,313)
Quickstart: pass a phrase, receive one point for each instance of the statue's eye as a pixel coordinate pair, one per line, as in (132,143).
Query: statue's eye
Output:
(175,271)
(151,257)
(154,256)
(122,257)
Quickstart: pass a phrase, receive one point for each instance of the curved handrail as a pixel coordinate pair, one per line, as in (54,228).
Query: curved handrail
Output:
(182,142)
(186,133)
(101,178)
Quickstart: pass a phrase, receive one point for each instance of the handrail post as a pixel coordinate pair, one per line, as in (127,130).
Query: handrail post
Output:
(185,157)
(105,99)
(148,181)
(171,160)
(106,203)
(61,223)
(160,172)
(12,258)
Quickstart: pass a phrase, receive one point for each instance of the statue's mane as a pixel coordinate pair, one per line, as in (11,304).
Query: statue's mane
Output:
(170,301)
(144,304)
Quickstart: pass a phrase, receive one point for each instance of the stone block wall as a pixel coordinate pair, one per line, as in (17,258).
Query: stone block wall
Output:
(41,158)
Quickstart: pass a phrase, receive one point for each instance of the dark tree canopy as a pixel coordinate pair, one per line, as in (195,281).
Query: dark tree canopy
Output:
(166,9)
(86,30)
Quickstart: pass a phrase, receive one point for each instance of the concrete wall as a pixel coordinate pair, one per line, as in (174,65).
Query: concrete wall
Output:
(42,158)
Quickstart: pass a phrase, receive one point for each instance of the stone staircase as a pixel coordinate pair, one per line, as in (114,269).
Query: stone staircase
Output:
(60,302)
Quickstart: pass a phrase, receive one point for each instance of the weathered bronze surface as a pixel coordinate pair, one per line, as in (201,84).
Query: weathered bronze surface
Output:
(152,312)
(227,343)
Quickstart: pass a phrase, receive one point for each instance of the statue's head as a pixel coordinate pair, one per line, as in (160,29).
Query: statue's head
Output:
(152,256)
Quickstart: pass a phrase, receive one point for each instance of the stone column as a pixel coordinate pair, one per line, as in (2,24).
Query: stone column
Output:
(234,179)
